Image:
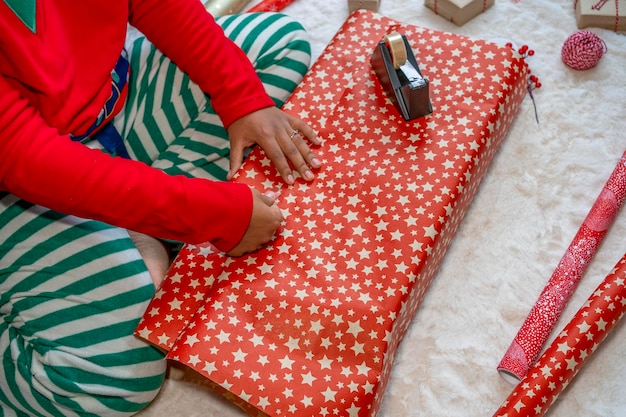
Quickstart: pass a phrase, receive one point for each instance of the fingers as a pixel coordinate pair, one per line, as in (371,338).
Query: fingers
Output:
(277,154)
(289,152)
(285,140)
(270,216)
(295,152)
(269,198)
(236,160)
(306,130)
(304,150)
(265,220)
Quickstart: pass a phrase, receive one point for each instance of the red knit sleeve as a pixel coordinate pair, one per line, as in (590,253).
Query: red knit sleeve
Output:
(40,166)
(185,32)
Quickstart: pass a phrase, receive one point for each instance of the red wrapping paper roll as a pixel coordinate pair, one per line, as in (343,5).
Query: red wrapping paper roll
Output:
(560,363)
(542,318)
(270,5)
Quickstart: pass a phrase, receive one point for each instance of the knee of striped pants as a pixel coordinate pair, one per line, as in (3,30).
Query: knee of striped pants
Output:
(58,382)
(71,294)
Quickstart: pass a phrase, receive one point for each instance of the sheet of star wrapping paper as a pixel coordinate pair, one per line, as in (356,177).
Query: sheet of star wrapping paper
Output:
(567,354)
(547,310)
(310,324)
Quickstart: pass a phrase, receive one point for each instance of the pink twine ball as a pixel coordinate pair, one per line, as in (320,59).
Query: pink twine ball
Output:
(583,50)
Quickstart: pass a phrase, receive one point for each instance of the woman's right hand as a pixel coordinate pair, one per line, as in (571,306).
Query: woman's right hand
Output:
(265,220)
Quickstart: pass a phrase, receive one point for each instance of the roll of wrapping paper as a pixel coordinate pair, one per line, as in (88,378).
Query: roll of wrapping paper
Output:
(566,355)
(542,318)
(270,5)
(223,7)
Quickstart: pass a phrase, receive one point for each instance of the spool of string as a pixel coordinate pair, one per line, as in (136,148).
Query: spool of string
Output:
(583,50)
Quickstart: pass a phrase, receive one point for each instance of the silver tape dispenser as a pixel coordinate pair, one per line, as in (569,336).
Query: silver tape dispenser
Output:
(397,70)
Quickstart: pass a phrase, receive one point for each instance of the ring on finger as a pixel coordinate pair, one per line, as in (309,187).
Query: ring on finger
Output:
(294,133)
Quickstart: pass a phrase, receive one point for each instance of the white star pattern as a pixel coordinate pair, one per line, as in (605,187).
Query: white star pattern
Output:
(544,314)
(316,315)
(565,356)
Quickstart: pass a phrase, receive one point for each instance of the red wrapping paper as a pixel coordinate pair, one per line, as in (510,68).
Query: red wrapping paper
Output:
(310,324)
(544,315)
(270,5)
(567,354)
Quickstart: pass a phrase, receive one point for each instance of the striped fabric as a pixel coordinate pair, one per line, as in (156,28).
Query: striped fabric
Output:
(72,290)
(168,121)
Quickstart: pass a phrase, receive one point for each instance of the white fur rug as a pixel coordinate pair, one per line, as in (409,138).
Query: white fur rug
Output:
(530,205)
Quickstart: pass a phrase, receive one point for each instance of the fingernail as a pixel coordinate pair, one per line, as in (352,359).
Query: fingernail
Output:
(315,162)
(290,179)
(308,175)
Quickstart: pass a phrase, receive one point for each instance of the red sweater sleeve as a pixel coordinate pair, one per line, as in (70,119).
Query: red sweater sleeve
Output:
(185,32)
(39,165)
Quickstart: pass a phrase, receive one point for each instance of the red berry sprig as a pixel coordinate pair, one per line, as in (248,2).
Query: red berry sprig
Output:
(533,80)
(533,83)
(525,51)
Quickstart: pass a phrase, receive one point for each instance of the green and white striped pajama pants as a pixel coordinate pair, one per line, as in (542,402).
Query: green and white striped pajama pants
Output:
(72,290)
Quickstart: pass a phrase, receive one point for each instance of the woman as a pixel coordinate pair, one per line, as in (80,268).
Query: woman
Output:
(100,144)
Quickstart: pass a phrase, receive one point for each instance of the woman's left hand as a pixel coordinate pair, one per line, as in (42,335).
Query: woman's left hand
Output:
(281,136)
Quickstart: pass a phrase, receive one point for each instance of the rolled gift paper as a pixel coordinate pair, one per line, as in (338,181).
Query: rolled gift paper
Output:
(270,5)
(566,355)
(542,318)
(224,7)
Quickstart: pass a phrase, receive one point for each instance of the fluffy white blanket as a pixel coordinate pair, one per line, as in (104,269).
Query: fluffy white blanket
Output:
(530,205)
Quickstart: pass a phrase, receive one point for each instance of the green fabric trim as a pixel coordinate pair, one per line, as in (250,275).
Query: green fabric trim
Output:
(26,11)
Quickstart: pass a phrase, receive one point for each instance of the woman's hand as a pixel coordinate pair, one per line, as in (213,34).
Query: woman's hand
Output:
(282,138)
(265,220)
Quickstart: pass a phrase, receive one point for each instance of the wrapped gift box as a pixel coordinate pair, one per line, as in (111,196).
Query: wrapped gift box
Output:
(363,4)
(608,14)
(459,11)
(310,324)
